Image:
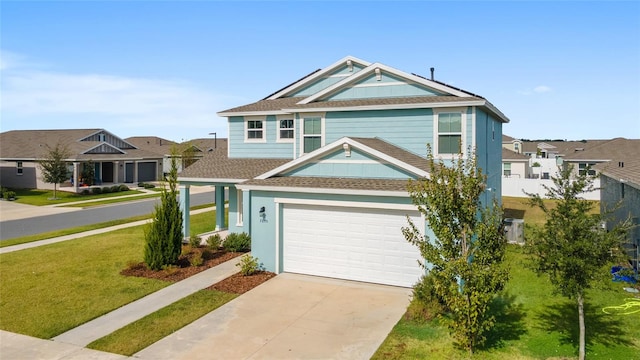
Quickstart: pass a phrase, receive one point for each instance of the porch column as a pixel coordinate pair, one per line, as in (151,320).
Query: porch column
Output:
(219,207)
(135,172)
(246,211)
(184,207)
(75,176)
(115,172)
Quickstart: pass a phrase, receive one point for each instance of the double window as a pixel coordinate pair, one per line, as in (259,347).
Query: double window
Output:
(449,133)
(255,130)
(584,168)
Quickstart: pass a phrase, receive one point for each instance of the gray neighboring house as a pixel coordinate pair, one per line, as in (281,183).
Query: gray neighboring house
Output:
(620,190)
(116,160)
(163,148)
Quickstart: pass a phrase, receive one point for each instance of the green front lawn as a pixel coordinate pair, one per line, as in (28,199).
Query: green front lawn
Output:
(153,327)
(533,323)
(42,197)
(47,290)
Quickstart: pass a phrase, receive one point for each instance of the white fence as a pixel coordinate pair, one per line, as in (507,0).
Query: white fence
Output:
(517,187)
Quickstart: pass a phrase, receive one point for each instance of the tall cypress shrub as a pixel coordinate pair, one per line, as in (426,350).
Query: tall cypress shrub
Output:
(164,235)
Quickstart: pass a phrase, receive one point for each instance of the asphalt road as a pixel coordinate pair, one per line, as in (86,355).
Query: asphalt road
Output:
(36,225)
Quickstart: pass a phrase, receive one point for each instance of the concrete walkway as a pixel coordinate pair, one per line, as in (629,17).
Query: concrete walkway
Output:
(108,323)
(291,317)
(17,347)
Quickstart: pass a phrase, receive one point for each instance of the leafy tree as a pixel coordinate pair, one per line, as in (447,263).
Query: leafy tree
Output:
(54,165)
(164,235)
(572,248)
(88,173)
(465,256)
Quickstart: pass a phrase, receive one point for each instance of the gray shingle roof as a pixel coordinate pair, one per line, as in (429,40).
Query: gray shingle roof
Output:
(265,105)
(384,101)
(629,171)
(216,165)
(331,183)
(396,152)
(512,155)
(618,148)
(32,144)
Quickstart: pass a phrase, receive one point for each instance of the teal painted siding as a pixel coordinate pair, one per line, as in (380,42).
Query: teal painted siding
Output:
(238,148)
(326,81)
(395,90)
(410,129)
(263,241)
(337,164)
(489,152)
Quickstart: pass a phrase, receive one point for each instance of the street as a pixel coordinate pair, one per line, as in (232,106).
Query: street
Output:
(36,225)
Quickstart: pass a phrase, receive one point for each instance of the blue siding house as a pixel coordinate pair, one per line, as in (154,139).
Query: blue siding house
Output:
(317,171)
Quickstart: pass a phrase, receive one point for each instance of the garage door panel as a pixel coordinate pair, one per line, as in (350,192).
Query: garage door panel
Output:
(349,243)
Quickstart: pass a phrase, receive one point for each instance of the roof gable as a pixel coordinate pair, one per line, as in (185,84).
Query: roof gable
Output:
(372,151)
(322,78)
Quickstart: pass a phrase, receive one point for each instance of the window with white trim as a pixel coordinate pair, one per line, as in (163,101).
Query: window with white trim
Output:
(311,133)
(449,133)
(584,168)
(506,169)
(239,209)
(285,129)
(254,130)
(19,169)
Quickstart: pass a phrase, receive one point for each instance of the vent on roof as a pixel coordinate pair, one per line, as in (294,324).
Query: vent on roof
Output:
(621,164)
(432,71)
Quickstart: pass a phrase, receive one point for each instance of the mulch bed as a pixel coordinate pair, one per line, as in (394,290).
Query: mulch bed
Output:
(236,284)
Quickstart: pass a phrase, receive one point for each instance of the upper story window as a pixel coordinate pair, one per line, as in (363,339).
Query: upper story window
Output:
(255,130)
(19,169)
(449,137)
(311,133)
(584,168)
(506,169)
(285,129)
(516,147)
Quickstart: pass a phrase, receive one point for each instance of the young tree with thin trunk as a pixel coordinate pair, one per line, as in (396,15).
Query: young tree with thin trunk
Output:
(571,247)
(164,235)
(54,166)
(464,258)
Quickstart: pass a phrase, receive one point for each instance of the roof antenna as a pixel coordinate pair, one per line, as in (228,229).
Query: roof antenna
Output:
(432,71)
(215,139)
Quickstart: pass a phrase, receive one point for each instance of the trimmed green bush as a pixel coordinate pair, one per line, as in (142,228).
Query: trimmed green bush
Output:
(149,186)
(85,192)
(214,241)
(9,195)
(106,190)
(196,259)
(194,241)
(124,188)
(237,242)
(115,188)
(96,190)
(248,265)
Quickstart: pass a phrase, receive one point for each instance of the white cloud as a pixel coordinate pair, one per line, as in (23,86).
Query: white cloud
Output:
(107,101)
(541,89)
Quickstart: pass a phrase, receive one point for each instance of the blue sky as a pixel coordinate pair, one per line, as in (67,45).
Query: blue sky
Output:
(558,70)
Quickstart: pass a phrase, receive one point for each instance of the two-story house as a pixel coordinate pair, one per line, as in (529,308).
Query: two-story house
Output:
(317,171)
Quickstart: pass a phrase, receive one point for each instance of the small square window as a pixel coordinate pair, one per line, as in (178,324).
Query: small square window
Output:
(255,130)
(285,129)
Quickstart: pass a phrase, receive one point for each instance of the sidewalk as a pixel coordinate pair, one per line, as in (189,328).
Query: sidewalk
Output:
(108,323)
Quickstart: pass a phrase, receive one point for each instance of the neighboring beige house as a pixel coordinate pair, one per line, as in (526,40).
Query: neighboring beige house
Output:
(606,152)
(509,143)
(514,164)
(115,159)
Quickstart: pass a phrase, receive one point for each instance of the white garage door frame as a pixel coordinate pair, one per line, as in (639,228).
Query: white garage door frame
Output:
(280,202)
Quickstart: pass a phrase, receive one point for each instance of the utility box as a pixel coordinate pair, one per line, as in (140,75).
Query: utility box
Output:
(514,230)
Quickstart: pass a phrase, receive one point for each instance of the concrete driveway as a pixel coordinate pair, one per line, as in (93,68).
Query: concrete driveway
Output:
(291,317)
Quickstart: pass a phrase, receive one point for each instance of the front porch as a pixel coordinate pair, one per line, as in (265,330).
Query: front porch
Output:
(221,194)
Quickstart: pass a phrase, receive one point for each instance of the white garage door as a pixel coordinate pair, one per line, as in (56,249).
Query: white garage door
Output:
(350,243)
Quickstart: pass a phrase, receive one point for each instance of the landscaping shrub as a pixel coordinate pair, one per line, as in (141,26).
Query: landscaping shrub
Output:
(9,195)
(140,184)
(149,186)
(106,190)
(248,265)
(115,188)
(124,188)
(214,241)
(196,259)
(2,191)
(85,192)
(194,241)
(237,242)
(96,190)
(428,304)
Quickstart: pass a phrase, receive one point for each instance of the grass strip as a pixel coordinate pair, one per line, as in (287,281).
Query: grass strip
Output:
(43,197)
(153,327)
(113,201)
(50,289)
(79,229)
